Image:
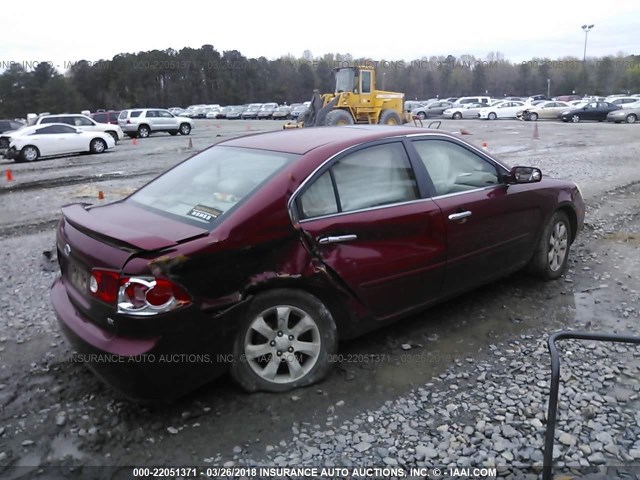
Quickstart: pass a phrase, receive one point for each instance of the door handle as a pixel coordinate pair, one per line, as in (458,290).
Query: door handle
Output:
(459,215)
(337,239)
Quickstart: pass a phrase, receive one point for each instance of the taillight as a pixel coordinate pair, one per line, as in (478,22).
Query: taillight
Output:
(150,296)
(104,285)
(128,121)
(137,295)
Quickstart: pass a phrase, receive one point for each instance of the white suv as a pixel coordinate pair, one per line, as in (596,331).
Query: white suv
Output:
(84,123)
(142,122)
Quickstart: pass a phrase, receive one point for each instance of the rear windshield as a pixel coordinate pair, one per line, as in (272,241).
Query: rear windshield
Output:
(209,184)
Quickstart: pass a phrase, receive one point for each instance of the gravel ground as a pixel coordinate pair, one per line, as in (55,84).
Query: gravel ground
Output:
(466,387)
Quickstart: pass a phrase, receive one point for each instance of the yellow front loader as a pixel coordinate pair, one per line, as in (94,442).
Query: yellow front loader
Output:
(355,100)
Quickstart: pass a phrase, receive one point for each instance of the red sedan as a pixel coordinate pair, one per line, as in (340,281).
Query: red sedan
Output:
(258,254)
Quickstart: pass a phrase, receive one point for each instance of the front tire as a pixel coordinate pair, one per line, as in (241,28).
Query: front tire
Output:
(390,117)
(97,145)
(575,118)
(550,258)
(422,115)
(185,129)
(457,116)
(492,116)
(29,153)
(338,118)
(533,117)
(631,118)
(286,341)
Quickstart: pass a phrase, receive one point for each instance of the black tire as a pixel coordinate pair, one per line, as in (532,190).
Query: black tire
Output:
(390,117)
(97,145)
(492,116)
(114,135)
(422,115)
(252,365)
(549,261)
(144,131)
(338,117)
(533,116)
(185,129)
(29,153)
(457,116)
(631,118)
(173,133)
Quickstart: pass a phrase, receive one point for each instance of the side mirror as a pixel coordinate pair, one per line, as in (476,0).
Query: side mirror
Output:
(78,130)
(523,175)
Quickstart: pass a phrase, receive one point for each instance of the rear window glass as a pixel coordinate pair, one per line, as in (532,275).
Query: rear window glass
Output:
(123,115)
(209,184)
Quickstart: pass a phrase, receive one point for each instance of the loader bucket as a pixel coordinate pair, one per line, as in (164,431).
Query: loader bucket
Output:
(316,114)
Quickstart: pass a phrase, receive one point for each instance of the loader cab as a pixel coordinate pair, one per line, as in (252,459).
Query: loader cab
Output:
(354,80)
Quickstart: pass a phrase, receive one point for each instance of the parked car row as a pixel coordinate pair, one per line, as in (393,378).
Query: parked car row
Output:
(255,111)
(566,107)
(63,134)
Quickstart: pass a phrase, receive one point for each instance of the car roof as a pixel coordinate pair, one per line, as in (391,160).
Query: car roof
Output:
(303,140)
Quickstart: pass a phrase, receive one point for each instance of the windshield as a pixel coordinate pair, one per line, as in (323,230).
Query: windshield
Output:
(345,80)
(209,184)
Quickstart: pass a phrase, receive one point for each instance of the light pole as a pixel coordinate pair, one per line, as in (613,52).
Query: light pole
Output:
(586,29)
(548,88)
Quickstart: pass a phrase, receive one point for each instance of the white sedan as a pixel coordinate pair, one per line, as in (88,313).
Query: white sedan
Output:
(30,143)
(466,110)
(505,109)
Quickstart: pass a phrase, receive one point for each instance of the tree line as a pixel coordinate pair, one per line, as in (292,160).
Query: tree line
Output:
(167,78)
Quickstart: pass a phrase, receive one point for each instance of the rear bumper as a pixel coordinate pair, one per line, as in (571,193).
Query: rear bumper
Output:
(150,369)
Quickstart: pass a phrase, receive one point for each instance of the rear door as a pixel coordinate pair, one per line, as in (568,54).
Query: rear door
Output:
(491,227)
(365,217)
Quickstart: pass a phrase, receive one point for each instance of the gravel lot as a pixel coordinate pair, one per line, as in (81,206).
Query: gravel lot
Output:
(463,384)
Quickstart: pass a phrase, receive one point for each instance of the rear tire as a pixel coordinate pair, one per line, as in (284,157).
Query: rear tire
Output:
(143,131)
(631,118)
(173,133)
(533,117)
(338,118)
(293,323)
(492,116)
(575,118)
(422,115)
(97,145)
(457,116)
(185,129)
(114,135)
(549,261)
(390,117)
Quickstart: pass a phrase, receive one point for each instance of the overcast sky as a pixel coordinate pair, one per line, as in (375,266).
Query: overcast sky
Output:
(69,30)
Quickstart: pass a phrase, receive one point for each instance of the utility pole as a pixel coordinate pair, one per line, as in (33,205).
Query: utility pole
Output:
(586,29)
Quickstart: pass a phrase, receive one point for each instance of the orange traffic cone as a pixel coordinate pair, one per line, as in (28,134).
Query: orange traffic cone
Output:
(484,144)
(100,195)
(134,141)
(9,175)
(190,144)
(536,134)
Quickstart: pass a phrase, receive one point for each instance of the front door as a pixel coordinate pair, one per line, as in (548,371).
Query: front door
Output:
(491,227)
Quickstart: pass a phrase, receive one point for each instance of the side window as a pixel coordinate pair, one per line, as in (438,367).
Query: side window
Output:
(366,82)
(49,120)
(83,122)
(134,114)
(100,117)
(164,114)
(371,177)
(151,114)
(374,176)
(453,168)
(320,198)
